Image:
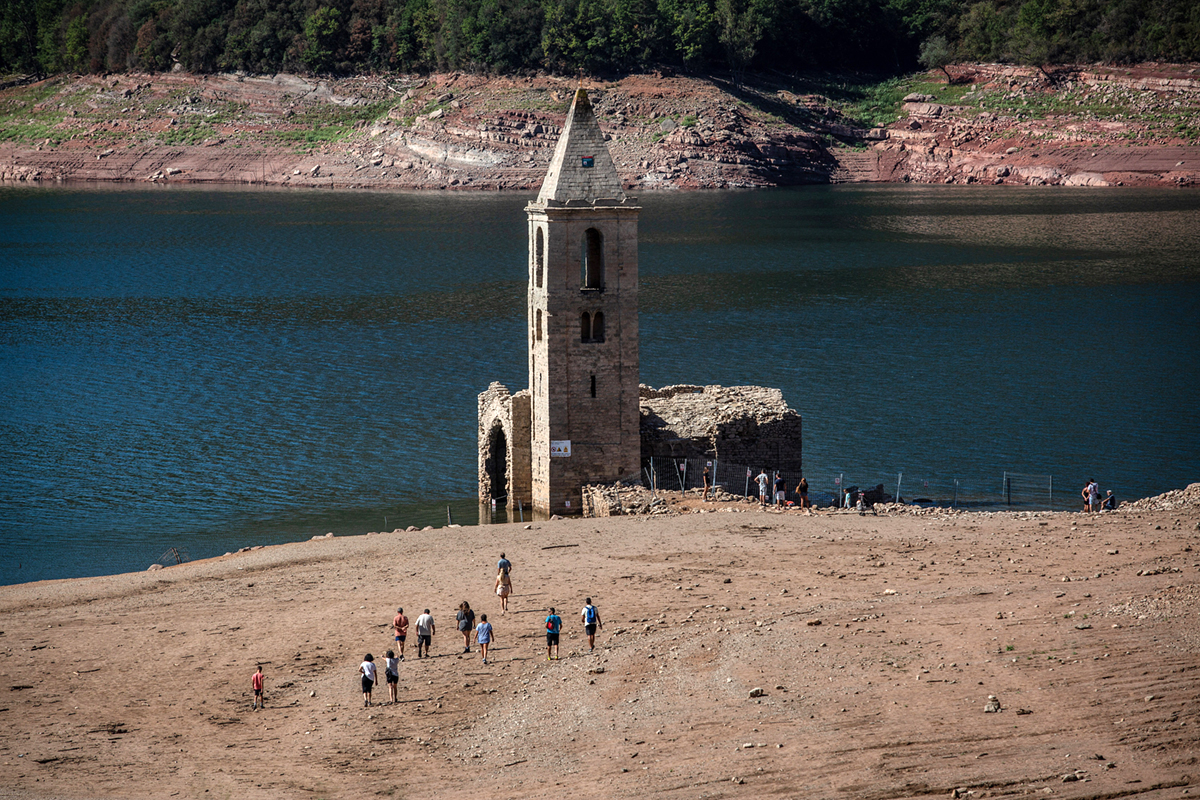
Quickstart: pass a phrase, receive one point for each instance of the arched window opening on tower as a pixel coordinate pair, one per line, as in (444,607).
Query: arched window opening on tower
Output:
(591,327)
(539,325)
(539,257)
(592,261)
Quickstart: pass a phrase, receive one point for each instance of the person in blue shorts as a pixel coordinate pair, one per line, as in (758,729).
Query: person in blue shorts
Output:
(553,628)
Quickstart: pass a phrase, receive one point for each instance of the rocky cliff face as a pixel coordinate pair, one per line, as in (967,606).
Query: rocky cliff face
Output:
(453,131)
(1018,125)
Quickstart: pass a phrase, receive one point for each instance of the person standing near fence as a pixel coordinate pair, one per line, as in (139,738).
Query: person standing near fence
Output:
(763,481)
(802,491)
(780,490)
(707,476)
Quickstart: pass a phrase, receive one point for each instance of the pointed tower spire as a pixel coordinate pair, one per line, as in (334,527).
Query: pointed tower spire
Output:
(582,169)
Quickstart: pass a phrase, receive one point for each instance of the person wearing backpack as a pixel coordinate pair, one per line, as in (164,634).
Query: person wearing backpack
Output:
(591,621)
(553,628)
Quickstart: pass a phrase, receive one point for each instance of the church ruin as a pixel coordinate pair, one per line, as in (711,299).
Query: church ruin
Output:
(580,422)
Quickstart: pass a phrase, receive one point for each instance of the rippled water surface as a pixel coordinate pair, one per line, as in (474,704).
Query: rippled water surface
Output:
(210,369)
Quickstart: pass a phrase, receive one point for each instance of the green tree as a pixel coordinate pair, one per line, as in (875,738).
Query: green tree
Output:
(983,32)
(322,35)
(19,36)
(635,37)
(691,26)
(739,30)
(575,34)
(936,54)
(75,45)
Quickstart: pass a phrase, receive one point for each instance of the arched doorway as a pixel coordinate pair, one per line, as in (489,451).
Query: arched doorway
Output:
(497,465)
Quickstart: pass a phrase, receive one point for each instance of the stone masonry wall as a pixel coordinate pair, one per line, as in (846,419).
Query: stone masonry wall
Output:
(749,425)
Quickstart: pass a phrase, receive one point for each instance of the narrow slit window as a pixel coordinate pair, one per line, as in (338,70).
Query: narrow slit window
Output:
(592,260)
(593,386)
(539,257)
(585,327)
(539,324)
(598,326)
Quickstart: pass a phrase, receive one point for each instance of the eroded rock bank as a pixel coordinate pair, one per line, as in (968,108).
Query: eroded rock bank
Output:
(992,124)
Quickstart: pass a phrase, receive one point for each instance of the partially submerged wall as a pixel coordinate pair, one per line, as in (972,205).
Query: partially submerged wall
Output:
(504,449)
(750,425)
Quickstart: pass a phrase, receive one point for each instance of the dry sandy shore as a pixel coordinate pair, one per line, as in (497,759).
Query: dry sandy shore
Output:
(138,685)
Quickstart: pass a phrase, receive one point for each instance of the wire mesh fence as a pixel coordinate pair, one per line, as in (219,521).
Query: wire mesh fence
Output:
(1007,490)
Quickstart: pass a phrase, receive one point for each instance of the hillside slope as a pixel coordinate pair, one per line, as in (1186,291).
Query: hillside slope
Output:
(456,131)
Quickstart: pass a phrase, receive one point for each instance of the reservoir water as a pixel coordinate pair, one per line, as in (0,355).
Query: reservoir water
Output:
(211,369)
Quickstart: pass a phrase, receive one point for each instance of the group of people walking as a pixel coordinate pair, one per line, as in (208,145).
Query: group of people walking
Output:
(484,633)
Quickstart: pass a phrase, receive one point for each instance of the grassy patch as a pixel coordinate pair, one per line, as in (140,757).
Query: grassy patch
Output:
(330,123)
(22,121)
(880,104)
(868,101)
(187,132)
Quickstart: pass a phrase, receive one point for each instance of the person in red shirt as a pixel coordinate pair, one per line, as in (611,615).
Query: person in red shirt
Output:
(257,684)
(400,626)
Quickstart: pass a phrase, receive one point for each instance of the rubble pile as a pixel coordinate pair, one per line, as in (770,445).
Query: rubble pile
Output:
(915,511)
(621,499)
(1176,499)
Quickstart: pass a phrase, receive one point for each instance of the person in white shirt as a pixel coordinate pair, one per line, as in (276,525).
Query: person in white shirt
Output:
(367,669)
(425,632)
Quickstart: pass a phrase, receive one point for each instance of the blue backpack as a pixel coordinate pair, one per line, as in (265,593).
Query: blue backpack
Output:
(590,615)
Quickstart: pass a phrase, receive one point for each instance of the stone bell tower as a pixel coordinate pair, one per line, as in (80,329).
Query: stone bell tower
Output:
(583,321)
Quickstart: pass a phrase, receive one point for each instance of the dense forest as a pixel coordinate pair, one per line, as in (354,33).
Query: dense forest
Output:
(509,36)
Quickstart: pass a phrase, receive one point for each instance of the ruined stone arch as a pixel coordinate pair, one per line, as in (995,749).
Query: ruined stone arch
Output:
(497,463)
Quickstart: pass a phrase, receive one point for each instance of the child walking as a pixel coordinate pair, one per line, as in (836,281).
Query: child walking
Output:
(484,635)
(391,672)
(367,669)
